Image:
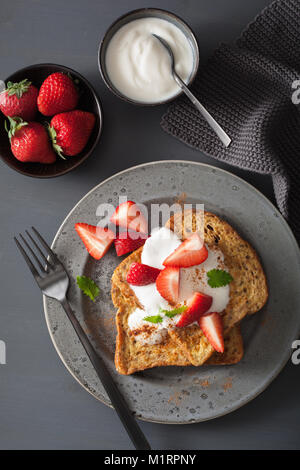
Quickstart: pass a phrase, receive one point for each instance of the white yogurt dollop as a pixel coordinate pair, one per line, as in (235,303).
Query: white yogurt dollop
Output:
(159,246)
(156,249)
(194,279)
(138,64)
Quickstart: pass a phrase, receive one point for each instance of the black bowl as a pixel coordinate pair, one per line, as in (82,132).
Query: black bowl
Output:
(88,101)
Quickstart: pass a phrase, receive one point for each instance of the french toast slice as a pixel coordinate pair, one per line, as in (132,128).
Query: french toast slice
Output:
(188,346)
(248,290)
(130,356)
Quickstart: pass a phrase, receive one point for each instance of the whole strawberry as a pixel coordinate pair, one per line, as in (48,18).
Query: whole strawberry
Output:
(71,131)
(19,99)
(30,142)
(57,94)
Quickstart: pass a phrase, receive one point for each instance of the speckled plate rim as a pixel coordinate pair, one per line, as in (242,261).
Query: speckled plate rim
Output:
(285,357)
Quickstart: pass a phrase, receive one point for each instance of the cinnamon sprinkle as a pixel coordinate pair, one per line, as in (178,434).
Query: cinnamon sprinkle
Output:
(147,330)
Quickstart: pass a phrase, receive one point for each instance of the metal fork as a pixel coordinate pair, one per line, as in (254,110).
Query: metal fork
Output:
(53,280)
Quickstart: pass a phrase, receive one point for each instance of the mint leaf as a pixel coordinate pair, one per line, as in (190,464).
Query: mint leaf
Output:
(218,278)
(154,319)
(174,312)
(88,287)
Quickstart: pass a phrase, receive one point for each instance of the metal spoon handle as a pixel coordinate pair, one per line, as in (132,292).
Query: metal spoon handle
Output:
(209,119)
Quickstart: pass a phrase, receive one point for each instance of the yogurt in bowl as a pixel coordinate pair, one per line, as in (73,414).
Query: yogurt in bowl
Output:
(139,66)
(135,65)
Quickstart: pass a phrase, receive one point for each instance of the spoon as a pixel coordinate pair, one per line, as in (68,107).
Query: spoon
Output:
(209,119)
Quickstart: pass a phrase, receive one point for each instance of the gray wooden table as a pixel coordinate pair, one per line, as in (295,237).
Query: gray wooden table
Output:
(41,405)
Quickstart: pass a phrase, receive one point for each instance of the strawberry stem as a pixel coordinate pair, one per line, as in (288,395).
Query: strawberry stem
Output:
(18,88)
(15,124)
(53,137)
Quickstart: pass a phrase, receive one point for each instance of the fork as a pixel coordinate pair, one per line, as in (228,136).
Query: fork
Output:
(53,280)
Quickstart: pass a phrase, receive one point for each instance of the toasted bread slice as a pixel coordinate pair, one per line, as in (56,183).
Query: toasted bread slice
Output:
(131,357)
(248,290)
(186,346)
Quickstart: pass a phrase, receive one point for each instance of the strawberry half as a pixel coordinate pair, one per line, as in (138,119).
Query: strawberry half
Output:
(129,216)
(125,244)
(197,306)
(191,252)
(167,284)
(141,274)
(212,327)
(97,240)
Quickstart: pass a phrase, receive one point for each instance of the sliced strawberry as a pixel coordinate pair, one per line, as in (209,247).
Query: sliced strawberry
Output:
(191,252)
(129,216)
(212,327)
(124,243)
(167,284)
(141,274)
(197,306)
(97,240)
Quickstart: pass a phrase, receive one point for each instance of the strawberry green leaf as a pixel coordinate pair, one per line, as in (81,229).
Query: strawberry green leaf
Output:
(88,287)
(53,137)
(15,124)
(18,88)
(154,319)
(218,278)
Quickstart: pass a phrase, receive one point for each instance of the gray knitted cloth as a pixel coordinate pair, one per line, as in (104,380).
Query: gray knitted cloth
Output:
(247,87)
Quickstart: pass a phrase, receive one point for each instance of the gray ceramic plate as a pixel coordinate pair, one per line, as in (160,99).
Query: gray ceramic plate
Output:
(182,394)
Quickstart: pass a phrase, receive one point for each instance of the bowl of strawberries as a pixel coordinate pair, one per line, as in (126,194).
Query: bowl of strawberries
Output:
(50,120)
